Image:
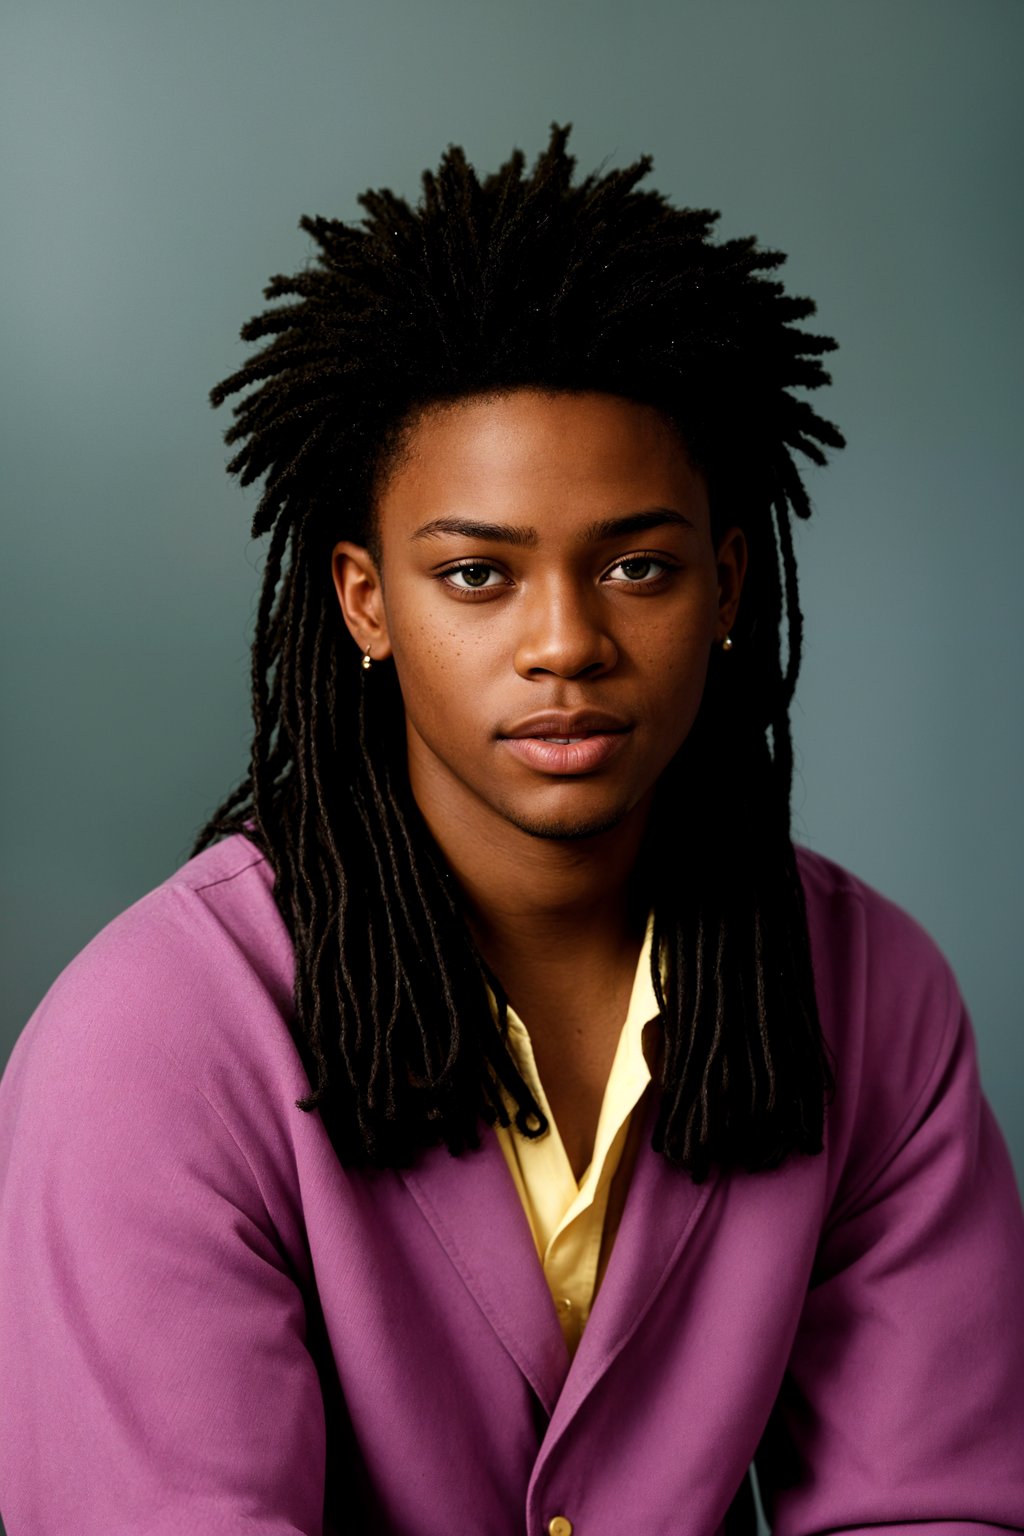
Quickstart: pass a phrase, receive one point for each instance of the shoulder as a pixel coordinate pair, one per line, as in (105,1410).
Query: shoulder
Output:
(890,1009)
(859,935)
(148,1116)
(196,975)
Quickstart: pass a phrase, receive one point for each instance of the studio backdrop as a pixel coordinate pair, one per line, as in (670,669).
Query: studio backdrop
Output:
(157,159)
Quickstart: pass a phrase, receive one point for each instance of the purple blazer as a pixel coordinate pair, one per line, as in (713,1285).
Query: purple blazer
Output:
(207,1325)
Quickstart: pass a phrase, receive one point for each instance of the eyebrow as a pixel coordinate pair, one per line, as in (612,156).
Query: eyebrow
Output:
(528,538)
(636,522)
(494,533)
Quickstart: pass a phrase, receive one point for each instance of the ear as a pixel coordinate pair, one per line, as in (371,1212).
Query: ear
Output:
(731,560)
(361,596)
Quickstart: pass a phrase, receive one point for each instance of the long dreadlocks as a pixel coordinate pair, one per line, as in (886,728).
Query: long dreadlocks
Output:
(525,279)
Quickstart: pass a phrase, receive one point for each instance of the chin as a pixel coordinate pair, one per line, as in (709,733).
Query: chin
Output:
(568,828)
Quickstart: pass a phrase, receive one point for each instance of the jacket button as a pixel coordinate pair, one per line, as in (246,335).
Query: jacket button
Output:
(559,1526)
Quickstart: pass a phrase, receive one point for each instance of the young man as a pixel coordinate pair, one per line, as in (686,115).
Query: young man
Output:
(497,1124)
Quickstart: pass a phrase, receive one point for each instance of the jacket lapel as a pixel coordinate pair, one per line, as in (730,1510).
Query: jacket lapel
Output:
(661,1211)
(472,1205)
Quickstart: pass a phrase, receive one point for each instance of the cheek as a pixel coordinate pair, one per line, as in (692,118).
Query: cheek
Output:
(438,650)
(673,651)
(420,643)
(686,696)
(431,663)
(673,666)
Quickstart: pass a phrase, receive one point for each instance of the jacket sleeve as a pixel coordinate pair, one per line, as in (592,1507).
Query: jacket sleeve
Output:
(156,1377)
(903,1404)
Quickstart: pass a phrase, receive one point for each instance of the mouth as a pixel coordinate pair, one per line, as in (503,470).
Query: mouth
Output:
(566,745)
(566,725)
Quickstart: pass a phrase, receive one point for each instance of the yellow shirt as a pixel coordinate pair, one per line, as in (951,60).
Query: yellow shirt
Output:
(568,1220)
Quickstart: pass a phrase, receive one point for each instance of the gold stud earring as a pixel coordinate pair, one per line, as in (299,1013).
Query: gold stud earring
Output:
(727,643)
(367,662)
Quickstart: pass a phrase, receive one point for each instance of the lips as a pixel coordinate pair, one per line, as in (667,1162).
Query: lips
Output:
(564,724)
(566,744)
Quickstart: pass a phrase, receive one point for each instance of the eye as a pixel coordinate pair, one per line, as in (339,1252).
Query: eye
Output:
(473,577)
(638,570)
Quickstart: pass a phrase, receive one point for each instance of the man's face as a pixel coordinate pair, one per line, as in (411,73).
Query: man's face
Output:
(549,591)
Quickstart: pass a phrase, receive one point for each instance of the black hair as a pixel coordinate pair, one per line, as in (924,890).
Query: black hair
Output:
(515,280)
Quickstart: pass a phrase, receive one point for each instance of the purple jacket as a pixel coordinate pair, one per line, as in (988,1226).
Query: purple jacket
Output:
(207,1325)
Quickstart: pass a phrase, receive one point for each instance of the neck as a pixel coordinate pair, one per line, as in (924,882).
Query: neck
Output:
(523,894)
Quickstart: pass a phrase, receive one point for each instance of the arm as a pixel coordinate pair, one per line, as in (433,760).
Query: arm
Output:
(903,1404)
(152,1333)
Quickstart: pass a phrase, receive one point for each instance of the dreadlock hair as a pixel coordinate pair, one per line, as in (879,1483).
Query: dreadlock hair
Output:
(486,285)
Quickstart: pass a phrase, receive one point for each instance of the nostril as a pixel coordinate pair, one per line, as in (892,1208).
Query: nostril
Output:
(579,651)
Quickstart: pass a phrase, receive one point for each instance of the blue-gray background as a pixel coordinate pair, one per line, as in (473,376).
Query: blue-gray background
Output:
(156,159)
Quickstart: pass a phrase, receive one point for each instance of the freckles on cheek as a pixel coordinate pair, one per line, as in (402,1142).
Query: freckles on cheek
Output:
(669,655)
(418,644)
(439,661)
(429,665)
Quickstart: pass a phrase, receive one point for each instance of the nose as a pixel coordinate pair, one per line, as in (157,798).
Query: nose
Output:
(563,633)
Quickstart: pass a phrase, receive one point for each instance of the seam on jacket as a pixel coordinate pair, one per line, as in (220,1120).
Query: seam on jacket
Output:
(190,1083)
(207,885)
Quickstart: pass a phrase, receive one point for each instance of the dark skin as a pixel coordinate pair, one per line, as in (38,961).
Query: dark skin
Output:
(549,590)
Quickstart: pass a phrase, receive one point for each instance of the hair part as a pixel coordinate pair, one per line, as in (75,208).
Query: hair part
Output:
(485,286)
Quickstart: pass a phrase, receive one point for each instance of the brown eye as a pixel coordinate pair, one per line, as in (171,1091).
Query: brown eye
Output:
(473,578)
(637,569)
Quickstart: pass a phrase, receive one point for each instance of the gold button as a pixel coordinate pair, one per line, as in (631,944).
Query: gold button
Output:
(559,1526)
(564,1306)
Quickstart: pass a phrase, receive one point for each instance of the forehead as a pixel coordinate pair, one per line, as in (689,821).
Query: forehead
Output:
(527,453)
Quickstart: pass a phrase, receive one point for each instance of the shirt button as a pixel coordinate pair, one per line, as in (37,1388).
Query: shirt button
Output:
(564,1306)
(559,1526)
